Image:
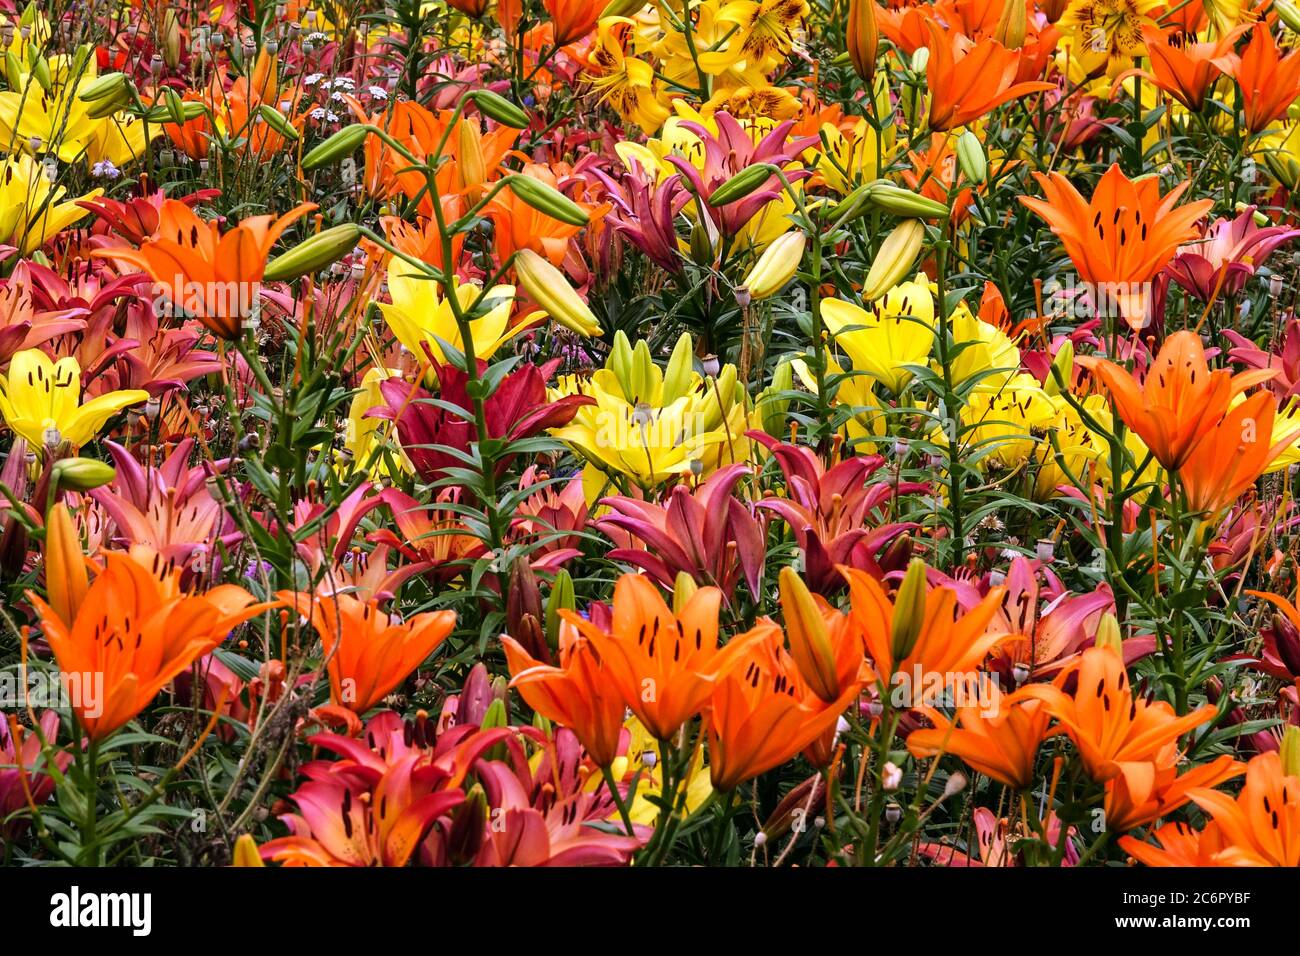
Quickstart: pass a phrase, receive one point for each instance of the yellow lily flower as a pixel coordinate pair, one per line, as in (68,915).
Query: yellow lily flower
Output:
(869,421)
(897,330)
(1006,417)
(30,211)
(1079,446)
(419,315)
(363,436)
(643,757)
(40,400)
(981,348)
(654,424)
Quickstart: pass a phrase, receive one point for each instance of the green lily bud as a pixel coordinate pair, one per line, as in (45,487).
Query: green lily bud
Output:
(277,121)
(312,255)
(902,202)
(742,184)
(81,474)
(547,200)
(970,156)
(499,108)
(342,144)
(909,611)
(561,599)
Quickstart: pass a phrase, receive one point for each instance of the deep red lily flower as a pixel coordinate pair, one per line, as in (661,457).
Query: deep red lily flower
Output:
(518,408)
(20,757)
(837,515)
(708,533)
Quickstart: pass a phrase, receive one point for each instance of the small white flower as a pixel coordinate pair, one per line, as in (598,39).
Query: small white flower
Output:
(378,92)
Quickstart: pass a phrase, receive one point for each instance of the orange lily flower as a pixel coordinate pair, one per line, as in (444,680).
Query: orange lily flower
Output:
(1003,746)
(1261,825)
(133,631)
(368,652)
(1170,791)
(968,84)
(572,19)
(1116,732)
(211,275)
(945,644)
(1179,401)
(520,226)
(1186,70)
(1233,454)
(762,712)
(578,694)
(1120,238)
(826,645)
(1269,82)
(663,664)
(1177,845)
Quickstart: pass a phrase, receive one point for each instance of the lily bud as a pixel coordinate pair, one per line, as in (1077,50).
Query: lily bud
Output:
(1290,751)
(171,38)
(902,202)
(862,38)
(81,474)
(313,254)
(561,599)
(742,184)
(1288,13)
(894,261)
(547,286)
(702,251)
(1012,24)
(777,265)
(770,403)
(497,107)
(277,121)
(622,8)
(909,611)
(684,588)
(1063,363)
(1286,638)
(970,157)
(810,641)
(109,86)
(342,144)
(66,581)
(465,836)
(1108,634)
(524,611)
(469,153)
(547,200)
(245,852)
(678,374)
